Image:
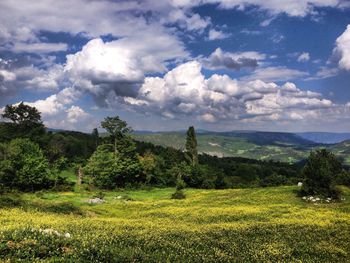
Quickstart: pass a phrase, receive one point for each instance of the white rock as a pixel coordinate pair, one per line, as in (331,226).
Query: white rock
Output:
(300,184)
(95,201)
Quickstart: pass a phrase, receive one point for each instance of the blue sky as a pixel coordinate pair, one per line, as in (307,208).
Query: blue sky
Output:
(164,65)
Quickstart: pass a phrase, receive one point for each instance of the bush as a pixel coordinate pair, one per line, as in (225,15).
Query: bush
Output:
(179,194)
(344,178)
(100,195)
(273,180)
(180,185)
(320,173)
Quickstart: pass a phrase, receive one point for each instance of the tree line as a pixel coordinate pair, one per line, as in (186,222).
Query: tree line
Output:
(31,158)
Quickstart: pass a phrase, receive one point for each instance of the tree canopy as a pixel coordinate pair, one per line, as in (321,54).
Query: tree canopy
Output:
(22,113)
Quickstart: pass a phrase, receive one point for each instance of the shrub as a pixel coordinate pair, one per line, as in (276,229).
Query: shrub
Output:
(344,178)
(100,195)
(273,180)
(180,185)
(179,194)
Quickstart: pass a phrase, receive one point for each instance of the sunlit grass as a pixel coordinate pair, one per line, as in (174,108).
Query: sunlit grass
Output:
(239,225)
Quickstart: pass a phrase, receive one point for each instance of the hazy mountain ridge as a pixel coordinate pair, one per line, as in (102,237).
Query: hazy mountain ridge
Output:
(325,137)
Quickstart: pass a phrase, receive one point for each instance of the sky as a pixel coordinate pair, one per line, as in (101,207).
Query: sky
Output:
(219,65)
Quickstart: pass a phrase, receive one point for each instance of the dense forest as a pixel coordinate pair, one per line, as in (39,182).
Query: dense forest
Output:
(32,158)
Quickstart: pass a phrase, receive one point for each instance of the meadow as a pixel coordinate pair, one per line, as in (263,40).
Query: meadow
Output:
(233,225)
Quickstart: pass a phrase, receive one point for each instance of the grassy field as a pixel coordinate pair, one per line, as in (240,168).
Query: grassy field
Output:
(238,225)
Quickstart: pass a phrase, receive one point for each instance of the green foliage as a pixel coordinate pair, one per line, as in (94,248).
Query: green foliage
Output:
(26,123)
(179,194)
(117,128)
(274,180)
(100,195)
(191,146)
(109,170)
(247,173)
(343,178)
(22,114)
(75,146)
(180,184)
(23,166)
(95,137)
(320,173)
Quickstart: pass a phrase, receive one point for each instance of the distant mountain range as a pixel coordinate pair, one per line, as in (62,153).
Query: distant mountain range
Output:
(325,137)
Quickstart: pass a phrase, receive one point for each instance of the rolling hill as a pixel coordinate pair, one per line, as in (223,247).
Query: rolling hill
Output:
(278,146)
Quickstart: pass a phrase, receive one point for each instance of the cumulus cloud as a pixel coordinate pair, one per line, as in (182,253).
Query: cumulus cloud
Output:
(118,67)
(220,59)
(184,91)
(56,103)
(76,114)
(341,52)
(303,57)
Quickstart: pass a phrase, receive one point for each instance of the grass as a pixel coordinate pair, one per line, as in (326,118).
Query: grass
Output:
(236,225)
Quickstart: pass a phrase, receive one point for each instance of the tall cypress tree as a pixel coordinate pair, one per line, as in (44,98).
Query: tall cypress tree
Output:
(191,146)
(95,137)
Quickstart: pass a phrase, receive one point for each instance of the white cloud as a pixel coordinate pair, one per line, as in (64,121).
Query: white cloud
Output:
(184,91)
(289,7)
(76,114)
(38,48)
(342,50)
(56,103)
(217,34)
(276,74)
(324,72)
(303,57)
(21,22)
(119,66)
(7,75)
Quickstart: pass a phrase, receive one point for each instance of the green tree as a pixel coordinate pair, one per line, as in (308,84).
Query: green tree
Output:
(95,137)
(191,146)
(117,128)
(23,166)
(108,169)
(320,173)
(25,123)
(22,113)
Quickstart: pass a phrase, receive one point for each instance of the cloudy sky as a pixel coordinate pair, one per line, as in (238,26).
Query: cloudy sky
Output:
(163,65)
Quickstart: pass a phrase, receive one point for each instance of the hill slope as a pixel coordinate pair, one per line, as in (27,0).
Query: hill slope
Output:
(262,146)
(287,147)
